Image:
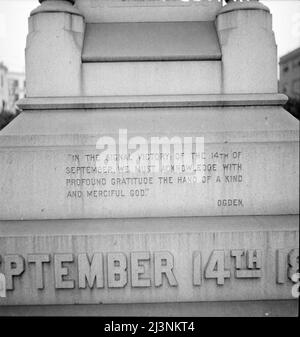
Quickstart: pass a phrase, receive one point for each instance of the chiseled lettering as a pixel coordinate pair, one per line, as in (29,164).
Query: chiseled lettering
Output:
(253,263)
(39,260)
(14,265)
(293,263)
(116,270)
(281,266)
(90,272)
(287,264)
(163,265)
(2,285)
(215,267)
(138,269)
(237,254)
(254,259)
(197,269)
(60,272)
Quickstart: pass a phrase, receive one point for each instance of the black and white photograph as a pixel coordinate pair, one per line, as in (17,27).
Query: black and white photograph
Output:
(149,161)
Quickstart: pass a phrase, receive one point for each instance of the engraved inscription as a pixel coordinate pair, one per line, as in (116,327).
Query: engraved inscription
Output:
(145,269)
(86,180)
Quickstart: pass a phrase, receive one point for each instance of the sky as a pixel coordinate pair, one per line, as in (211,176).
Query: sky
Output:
(14,15)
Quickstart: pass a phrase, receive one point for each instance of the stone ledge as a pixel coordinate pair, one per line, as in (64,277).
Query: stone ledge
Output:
(274,223)
(283,308)
(80,127)
(114,102)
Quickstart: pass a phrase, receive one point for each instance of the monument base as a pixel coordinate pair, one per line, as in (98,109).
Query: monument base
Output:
(200,248)
(241,263)
(51,158)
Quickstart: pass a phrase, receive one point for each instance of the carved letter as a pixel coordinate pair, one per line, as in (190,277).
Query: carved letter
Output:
(14,266)
(197,269)
(138,269)
(89,272)
(164,264)
(238,253)
(216,267)
(254,259)
(281,266)
(293,262)
(61,271)
(116,270)
(39,259)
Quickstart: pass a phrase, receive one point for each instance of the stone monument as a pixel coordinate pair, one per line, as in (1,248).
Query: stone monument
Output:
(91,224)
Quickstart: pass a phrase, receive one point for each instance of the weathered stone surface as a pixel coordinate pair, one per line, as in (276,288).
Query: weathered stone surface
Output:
(53,54)
(158,260)
(96,11)
(163,78)
(249,51)
(151,42)
(254,151)
(56,46)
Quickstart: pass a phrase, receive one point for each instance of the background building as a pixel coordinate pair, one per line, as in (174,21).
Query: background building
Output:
(4,92)
(16,85)
(289,83)
(12,88)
